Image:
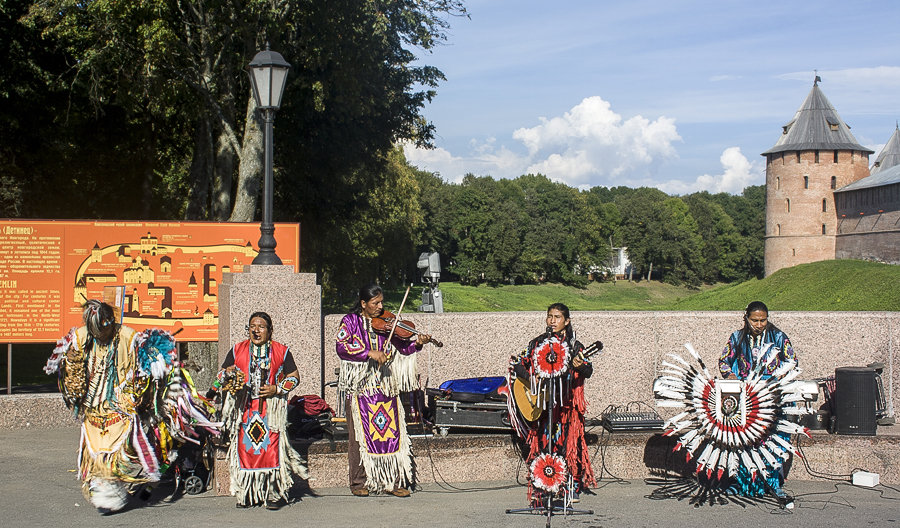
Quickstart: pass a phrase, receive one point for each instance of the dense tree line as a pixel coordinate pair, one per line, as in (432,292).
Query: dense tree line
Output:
(530,230)
(142,110)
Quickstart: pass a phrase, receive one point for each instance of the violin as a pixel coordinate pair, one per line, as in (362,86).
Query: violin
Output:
(404,330)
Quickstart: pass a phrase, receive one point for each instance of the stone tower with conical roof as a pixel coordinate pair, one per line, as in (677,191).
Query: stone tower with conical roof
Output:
(815,155)
(890,154)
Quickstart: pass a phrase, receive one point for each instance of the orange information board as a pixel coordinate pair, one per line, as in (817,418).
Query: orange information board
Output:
(158,274)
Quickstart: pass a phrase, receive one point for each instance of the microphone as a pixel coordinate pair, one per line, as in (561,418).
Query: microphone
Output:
(549,330)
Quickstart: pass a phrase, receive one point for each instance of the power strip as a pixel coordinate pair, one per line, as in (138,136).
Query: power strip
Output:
(866,479)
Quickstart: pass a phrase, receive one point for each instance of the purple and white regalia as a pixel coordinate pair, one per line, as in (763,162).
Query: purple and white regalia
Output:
(371,393)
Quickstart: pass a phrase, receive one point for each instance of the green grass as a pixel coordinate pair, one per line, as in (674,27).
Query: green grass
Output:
(835,285)
(831,285)
(621,295)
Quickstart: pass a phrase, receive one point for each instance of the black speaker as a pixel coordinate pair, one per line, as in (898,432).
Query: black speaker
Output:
(854,401)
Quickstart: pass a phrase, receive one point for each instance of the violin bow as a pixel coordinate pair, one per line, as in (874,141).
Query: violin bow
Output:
(397,315)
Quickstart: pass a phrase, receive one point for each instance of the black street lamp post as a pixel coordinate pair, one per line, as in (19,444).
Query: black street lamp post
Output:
(268,73)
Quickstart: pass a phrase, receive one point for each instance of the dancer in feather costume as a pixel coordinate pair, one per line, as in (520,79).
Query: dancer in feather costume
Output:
(735,427)
(136,404)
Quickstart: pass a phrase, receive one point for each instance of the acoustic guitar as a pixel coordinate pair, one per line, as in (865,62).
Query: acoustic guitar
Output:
(527,402)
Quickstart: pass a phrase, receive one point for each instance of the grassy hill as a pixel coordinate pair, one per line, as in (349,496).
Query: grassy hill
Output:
(842,285)
(621,295)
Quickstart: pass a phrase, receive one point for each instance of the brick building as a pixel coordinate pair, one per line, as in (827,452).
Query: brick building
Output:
(815,173)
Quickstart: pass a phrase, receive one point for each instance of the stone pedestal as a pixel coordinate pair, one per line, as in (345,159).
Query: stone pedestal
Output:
(294,301)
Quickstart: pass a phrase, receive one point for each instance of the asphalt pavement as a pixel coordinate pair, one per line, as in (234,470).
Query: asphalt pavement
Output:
(39,487)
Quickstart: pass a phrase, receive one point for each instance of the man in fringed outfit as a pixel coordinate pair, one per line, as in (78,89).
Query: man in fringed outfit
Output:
(373,373)
(135,401)
(553,364)
(257,376)
(741,355)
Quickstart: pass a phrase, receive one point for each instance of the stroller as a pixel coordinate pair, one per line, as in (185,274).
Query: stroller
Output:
(193,469)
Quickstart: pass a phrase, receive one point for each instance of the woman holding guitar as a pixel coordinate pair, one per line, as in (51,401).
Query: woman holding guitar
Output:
(547,382)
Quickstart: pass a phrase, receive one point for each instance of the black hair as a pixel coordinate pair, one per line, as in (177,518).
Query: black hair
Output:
(366,293)
(564,310)
(97,315)
(265,317)
(755,306)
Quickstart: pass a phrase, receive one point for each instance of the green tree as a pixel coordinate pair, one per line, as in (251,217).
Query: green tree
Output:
(748,212)
(166,79)
(659,230)
(722,244)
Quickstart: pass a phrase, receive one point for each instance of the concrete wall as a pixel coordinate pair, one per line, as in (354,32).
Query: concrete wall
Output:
(479,344)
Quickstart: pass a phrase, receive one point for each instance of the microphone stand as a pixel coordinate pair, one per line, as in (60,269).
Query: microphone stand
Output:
(549,509)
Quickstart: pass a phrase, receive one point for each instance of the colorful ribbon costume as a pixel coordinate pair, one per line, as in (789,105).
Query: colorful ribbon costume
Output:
(137,405)
(554,455)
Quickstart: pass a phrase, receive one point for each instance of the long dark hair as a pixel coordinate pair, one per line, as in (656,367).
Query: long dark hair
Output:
(564,310)
(755,306)
(366,293)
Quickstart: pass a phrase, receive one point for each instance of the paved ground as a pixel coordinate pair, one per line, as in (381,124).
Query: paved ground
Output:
(38,487)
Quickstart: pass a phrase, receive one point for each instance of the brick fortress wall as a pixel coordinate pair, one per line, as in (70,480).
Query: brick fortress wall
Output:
(794,232)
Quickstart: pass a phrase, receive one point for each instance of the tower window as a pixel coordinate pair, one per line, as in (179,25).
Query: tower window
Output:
(835,156)
(806,182)
(817,156)
(824,205)
(834,182)
(777,182)
(778,229)
(798,156)
(794,252)
(823,229)
(788,204)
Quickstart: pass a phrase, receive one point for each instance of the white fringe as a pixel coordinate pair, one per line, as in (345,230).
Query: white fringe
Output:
(352,376)
(108,494)
(255,486)
(385,472)
(396,376)
(403,373)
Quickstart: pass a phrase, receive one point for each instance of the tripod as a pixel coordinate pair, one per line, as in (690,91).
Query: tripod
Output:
(546,506)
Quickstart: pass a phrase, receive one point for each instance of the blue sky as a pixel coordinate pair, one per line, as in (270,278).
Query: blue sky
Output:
(678,95)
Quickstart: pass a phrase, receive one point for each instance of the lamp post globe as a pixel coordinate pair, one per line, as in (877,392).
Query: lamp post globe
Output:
(268,72)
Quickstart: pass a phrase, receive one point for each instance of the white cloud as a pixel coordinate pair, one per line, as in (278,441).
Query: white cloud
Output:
(738,173)
(588,145)
(484,160)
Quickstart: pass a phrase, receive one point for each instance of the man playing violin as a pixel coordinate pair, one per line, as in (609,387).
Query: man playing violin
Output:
(374,371)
